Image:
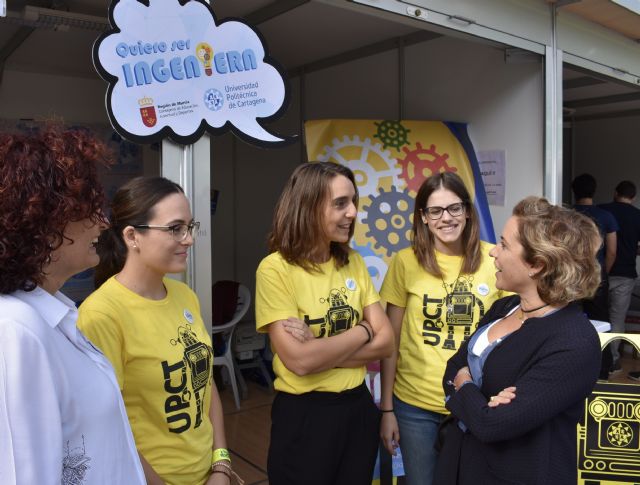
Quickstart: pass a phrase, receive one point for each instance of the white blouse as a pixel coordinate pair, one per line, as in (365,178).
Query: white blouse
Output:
(62,418)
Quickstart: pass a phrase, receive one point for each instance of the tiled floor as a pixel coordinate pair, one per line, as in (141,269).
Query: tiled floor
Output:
(248,431)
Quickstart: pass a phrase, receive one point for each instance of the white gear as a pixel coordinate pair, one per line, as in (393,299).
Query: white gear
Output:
(367,177)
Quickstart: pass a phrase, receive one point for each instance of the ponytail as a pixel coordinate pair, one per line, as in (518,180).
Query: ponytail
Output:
(113,254)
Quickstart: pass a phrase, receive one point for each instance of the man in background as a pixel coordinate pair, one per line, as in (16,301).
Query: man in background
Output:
(597,308)
(622,276)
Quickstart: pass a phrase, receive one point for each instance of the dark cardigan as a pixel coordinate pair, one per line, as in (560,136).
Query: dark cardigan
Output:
(554,363)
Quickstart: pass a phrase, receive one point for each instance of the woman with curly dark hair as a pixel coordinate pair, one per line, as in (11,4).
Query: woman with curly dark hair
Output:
(62,419)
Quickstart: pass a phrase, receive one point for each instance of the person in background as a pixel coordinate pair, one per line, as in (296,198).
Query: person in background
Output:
(62,419)
(150,328)
(516,389)
(597,308)
(315,298)
(584,189)
(436,292)
(622,275)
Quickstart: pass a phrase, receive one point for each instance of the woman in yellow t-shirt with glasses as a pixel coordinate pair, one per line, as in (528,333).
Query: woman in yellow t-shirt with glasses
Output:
(316,300)
(436,292)
(149,327)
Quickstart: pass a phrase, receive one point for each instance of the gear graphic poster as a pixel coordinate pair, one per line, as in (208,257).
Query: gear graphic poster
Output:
(390,159)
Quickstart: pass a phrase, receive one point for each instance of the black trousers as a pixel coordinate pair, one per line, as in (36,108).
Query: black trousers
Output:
(323,438)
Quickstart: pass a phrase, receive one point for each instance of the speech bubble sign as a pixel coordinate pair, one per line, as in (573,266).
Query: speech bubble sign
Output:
(174,71)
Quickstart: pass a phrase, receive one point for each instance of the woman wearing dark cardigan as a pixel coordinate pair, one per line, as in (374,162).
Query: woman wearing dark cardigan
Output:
(516,389)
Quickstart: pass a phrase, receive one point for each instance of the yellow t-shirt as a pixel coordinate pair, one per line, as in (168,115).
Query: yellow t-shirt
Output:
(330,302)
(162,357)
(436,319)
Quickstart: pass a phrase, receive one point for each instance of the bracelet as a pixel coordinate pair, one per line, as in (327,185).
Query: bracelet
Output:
(224,472)
(228,470)
(220,454)
(386,410)
(369,336)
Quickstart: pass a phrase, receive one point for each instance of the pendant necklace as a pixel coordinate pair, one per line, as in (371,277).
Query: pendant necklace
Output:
(449,298)
(522,316)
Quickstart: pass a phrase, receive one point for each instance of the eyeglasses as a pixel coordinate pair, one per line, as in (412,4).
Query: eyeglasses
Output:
(178,231)
(434,213)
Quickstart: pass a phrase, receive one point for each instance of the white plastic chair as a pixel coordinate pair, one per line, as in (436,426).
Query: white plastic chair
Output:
(226,329)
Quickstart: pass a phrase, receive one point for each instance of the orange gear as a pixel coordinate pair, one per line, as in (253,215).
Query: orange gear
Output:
(417,162)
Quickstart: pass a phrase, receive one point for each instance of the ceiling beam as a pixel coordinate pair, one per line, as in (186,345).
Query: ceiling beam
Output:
(614,98)
(605,115)
(273,10)
(609,80)
(365,51)
(564,3)
(581,82)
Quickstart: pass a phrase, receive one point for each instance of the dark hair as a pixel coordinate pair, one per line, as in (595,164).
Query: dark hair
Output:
(626,189)
(298,219)
(565,243)
(132,205)
(584,186)
(423,240)
(47,180)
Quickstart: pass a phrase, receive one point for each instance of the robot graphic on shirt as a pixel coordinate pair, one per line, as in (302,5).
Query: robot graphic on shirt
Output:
(340,316)
(460,305)
(197,358)
(456,309)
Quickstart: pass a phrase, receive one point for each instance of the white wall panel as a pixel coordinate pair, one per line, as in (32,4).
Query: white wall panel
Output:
(503,103)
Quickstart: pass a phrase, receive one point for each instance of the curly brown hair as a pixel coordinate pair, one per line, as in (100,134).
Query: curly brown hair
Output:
(564,242)
(47,180)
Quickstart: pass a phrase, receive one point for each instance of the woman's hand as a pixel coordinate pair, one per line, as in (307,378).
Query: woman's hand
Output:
(463,375)
(505,396)
(298,329)
(389,432)
(219,479)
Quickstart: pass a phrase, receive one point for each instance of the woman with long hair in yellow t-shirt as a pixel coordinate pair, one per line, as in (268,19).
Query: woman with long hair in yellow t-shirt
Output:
(436,292)
(316,300)
(150,328)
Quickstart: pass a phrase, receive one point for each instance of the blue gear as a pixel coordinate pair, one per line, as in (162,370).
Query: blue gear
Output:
(395,209)
(365,250)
